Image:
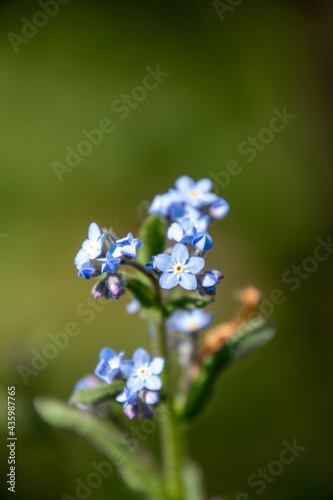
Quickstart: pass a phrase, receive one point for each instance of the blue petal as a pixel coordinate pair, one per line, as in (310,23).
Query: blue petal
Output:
(153,383)
(135,384)
(195,264)
(156,366)
(204,185)
(127,368)
(209,280)
(175,232)
(184,183)
(203,242)
(163,262)
(141,357)
(94,231)
(81,257)
(180,253)
(151,397)
(168,280)
(122,397)
(188,281)
(106,354)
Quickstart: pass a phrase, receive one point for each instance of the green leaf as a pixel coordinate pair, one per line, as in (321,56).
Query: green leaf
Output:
(152,235)
(193,479)
(138,472)
(251,335)
(142,292)
(94,395)
(188,302)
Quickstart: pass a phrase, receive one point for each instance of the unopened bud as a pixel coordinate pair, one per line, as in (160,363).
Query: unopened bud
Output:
(115,286)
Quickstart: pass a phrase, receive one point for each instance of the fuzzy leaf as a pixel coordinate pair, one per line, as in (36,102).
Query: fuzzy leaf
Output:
(251,335)
(152,235)
(94,395)
(137,472)
(142,292)
(188,302)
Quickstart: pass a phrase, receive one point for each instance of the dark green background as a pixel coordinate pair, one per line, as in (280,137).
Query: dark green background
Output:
(225,79)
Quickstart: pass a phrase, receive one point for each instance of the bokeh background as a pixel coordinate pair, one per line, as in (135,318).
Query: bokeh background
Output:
(225,77)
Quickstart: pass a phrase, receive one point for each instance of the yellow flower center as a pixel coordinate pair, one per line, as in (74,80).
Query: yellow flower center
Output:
(193,327)
(142,372)
(193,194)
(178,268)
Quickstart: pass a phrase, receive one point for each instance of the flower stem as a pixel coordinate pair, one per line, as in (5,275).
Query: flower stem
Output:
(170,431)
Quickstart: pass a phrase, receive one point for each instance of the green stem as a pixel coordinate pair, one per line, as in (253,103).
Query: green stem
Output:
(170,431)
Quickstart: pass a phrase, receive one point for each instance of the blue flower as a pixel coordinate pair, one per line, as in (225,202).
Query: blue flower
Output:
(219,209)
(126,246)
(196,194)
(162,203)
(211,279)
(92,247)
(203,242)
(109,364)
(109,262)
(133,306)
(143,372)
(151,397)
(127,397)
(182,232)
(179,268)
(86,270)
(189,321)
(180,212)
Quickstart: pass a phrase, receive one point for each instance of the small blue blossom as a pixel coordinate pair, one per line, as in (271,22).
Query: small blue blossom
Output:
(109,262)
(182,232)
(150,266)
(219,209)
(133,306)
(196,194)
(86,270)
(143,372)
(189,321)
(151,397)
(127,397)
(92,247)
(180,212)
(203,242)
(89,381)
(179,268)
(126,246)
(162,203)
(211,279)
(109,364)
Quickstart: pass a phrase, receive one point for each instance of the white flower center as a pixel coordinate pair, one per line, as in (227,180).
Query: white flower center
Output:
(113,364)
(178,268)
(142,371)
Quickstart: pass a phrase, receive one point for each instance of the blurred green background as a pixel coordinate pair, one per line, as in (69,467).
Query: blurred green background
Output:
(225,77)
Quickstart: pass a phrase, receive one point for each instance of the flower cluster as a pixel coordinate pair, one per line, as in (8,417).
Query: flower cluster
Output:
(142,383)
(119,250)
(190,207)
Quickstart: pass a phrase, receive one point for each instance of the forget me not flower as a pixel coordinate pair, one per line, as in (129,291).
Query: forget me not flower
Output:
(86,270)
(109,262)
(180,212)
(92,247)
(126,246)
(183,231)
(203,242)
(211,279)
(179,268)
(109,364)
(189,321)
(127,397)
(196,194)
(143,372)
(219,209)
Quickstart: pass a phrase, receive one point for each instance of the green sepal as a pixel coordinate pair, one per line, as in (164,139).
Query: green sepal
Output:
(152,235)
(137,469)
(188,302)
(251,335)
(94,395)
(142,292)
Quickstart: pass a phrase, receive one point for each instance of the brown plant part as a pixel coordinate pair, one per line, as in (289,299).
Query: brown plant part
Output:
(216,337)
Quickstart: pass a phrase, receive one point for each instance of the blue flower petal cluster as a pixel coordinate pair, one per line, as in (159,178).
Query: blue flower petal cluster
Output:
(142,379)
(126,246)
(178,268)
(189,321)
